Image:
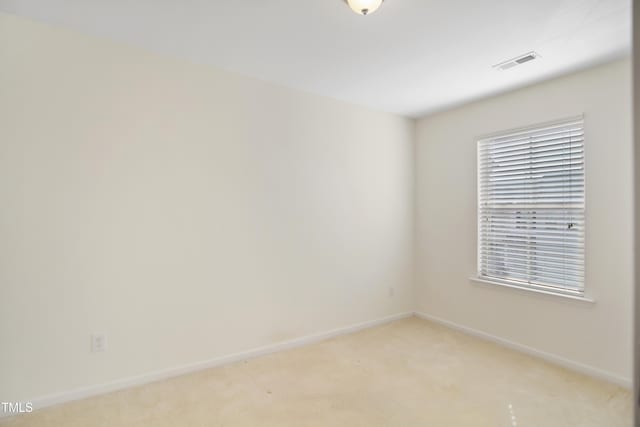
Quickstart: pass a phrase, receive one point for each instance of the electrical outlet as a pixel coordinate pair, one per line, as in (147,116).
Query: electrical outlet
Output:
(98,343)
(392,291)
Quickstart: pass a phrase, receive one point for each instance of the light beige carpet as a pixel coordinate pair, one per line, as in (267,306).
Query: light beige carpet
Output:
(407,373)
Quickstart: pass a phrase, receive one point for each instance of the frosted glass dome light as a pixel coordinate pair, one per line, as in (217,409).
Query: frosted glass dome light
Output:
(364,7)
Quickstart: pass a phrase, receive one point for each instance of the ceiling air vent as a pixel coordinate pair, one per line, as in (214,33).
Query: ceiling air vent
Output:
(519,60)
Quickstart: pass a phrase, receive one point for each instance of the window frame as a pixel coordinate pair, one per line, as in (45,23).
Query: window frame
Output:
(580,294)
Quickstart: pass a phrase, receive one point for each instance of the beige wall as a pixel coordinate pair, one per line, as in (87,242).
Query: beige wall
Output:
(597,335)
(186,212)
(636,169)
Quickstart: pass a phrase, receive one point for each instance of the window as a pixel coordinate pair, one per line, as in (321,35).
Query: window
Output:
(531,208)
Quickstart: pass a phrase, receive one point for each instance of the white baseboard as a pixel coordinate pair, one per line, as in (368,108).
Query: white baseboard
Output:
(549,357)
(85,392)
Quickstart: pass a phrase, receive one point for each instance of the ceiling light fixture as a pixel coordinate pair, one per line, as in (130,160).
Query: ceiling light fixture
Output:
(364,7)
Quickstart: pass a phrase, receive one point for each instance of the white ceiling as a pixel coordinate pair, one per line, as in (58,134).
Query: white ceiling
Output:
(412,57)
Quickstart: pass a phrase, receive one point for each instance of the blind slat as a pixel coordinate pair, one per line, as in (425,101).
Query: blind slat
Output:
(558,266)
(569,281)
(524,249)
(532,146)
(542,259)
(540,152)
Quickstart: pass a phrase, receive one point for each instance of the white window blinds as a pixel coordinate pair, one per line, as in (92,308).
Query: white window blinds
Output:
(531,208)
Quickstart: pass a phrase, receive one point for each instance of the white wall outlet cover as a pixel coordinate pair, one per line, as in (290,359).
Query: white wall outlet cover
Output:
(98,343)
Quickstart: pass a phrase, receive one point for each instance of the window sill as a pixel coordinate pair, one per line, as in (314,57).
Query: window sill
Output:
(484,281)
